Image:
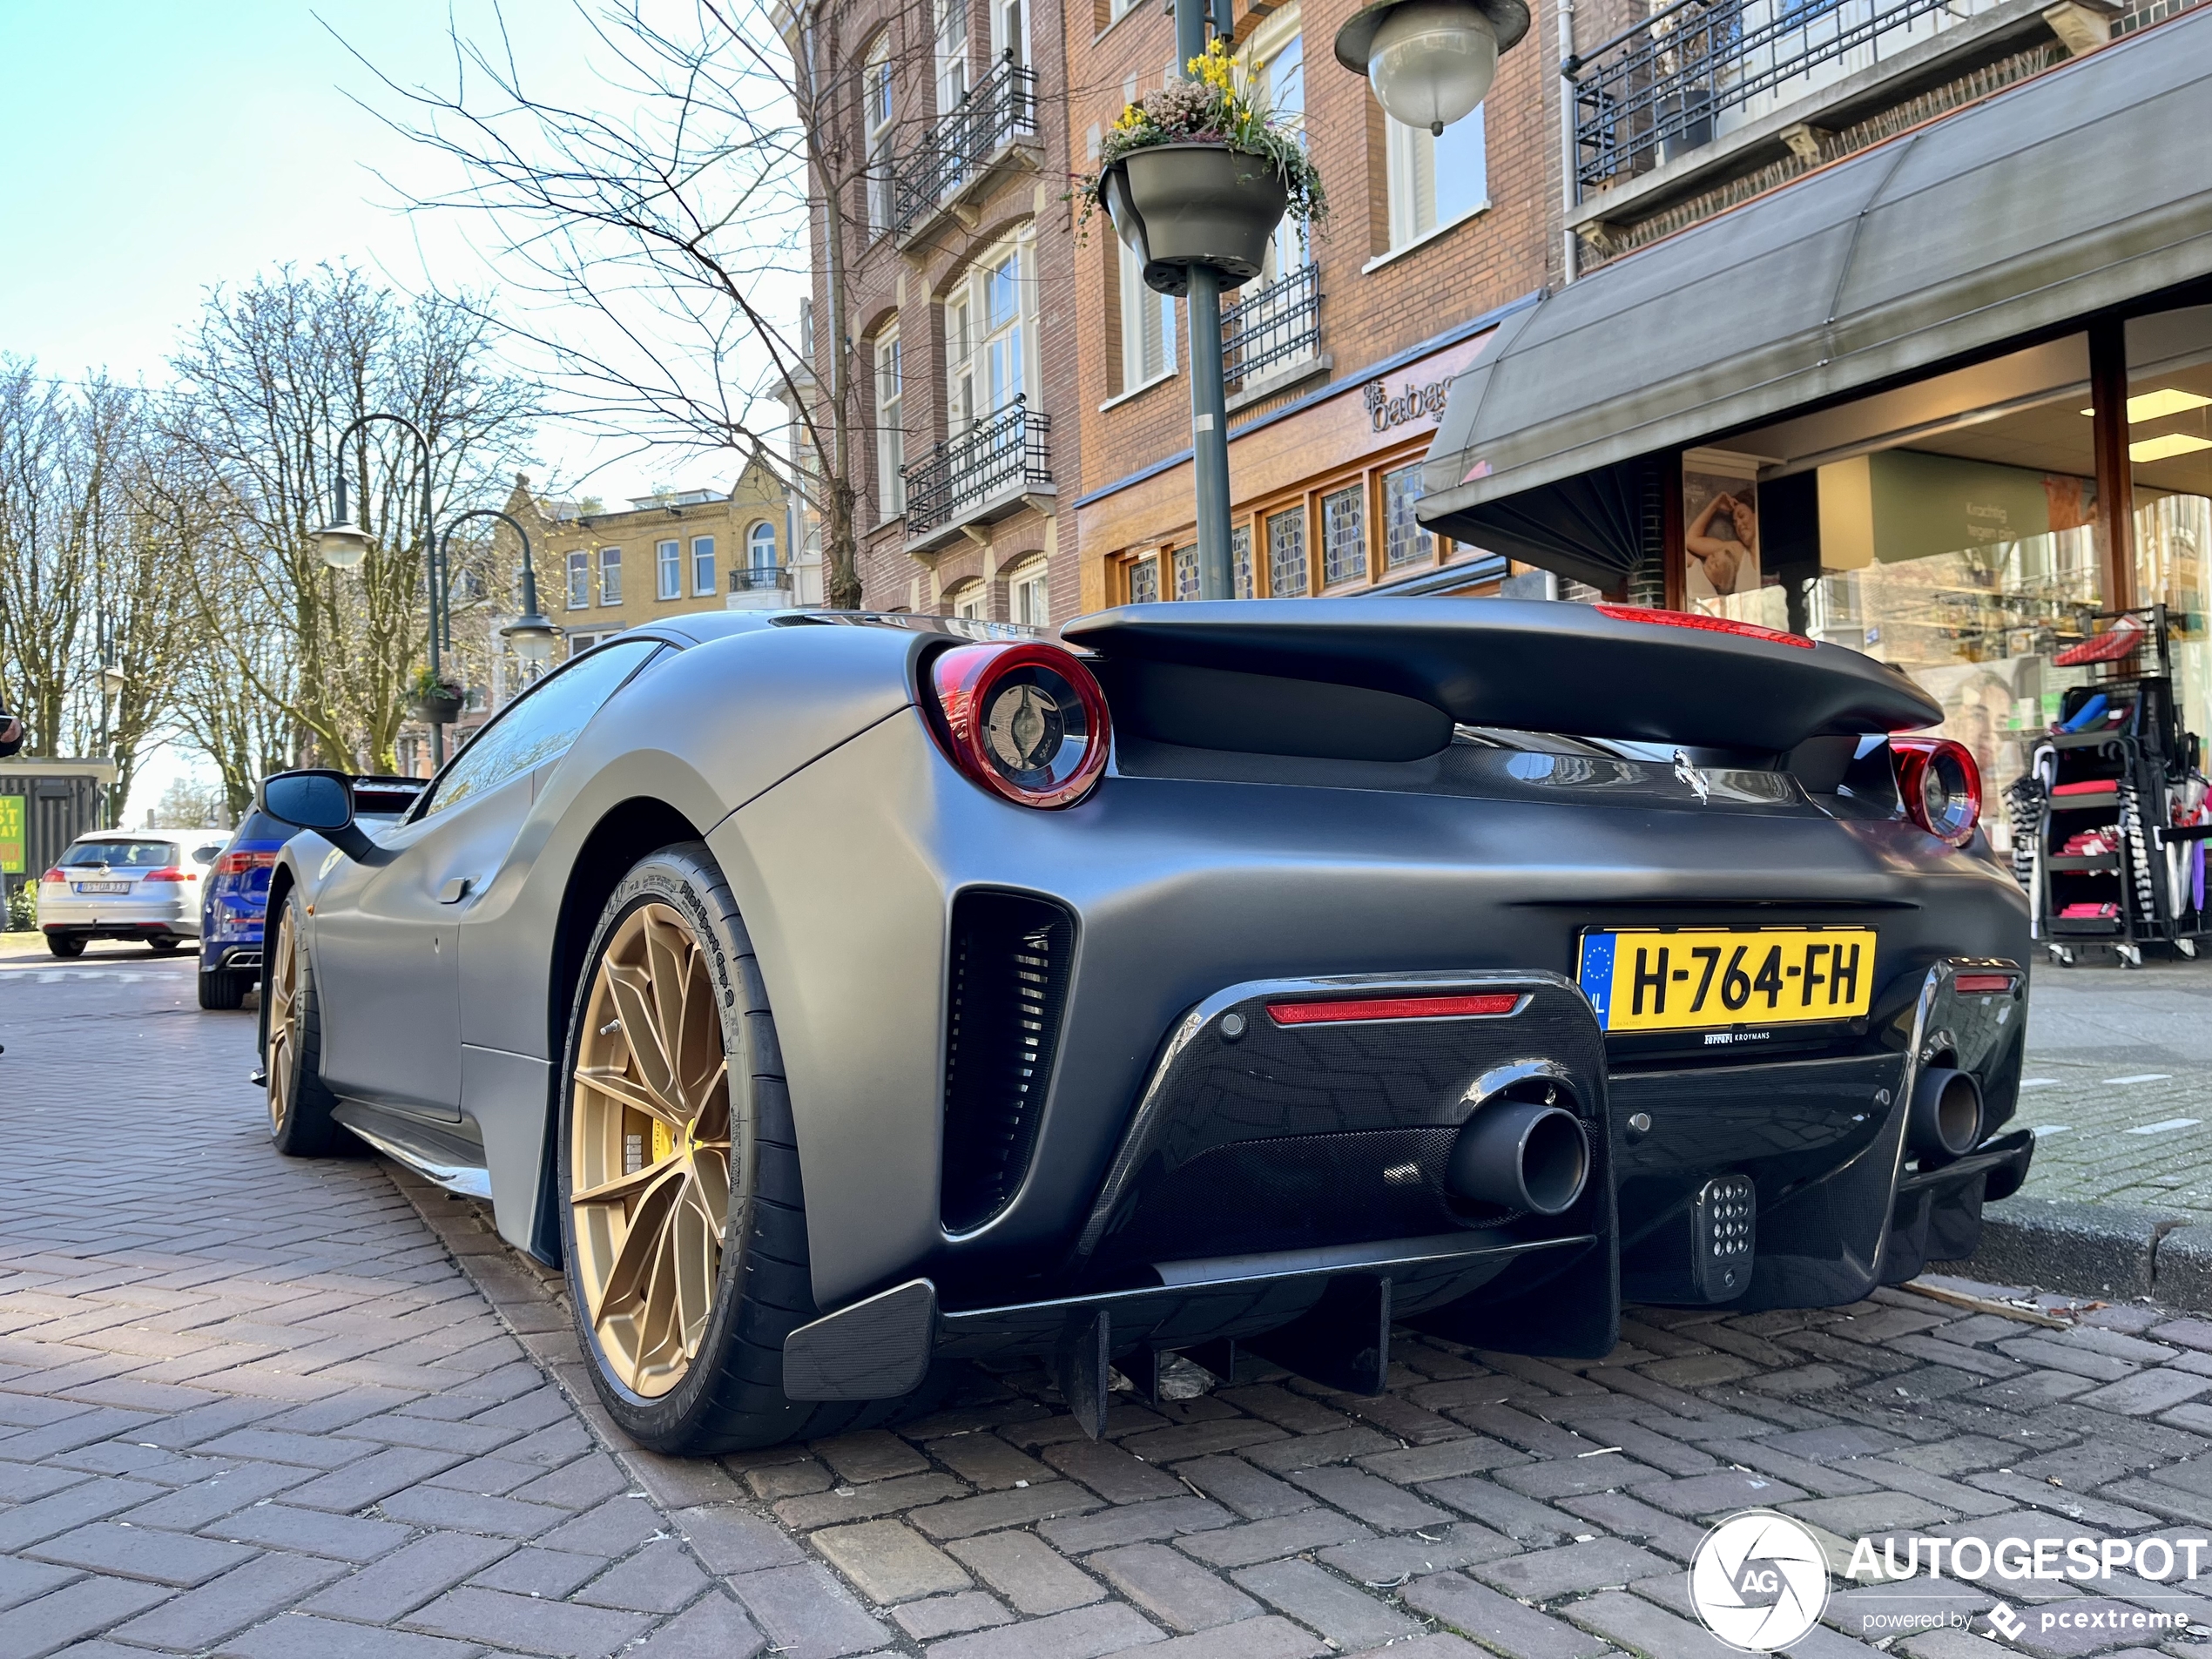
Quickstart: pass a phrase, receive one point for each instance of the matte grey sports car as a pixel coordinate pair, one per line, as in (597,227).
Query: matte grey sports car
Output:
(841,995)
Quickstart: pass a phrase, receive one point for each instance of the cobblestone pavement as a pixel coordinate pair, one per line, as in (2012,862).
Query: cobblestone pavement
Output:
(2119,1085)
(263,1407)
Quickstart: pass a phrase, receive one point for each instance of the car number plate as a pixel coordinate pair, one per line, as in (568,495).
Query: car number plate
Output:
(1690,978)
(103,887)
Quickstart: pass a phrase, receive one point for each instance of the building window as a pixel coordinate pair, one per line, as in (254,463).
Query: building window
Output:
(1286,553)
(876,104)
(951,53)
(1148,326)
(988,339)
(1240,560)
(702,564)
(1145,582)
(1279,77)
(1010,30)
(1026,599)
(1344,535)
(1186,573)
(668,569)
(579,644)
(1118,9)
(610,575)
(761,547)
(968,602)
(579,578)
(890,425)
(1404,540)
(1434,180)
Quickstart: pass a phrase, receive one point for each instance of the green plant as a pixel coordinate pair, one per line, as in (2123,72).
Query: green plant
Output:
(427,685)
(23,909)
(1219,107)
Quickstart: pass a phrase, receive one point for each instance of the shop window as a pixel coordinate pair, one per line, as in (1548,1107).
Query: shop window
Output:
(1434,180)
(1186,572)
(1145,582)
(1027,601)
(1404,540)
(1147,327)
(668,569)
(703,564)
(890,425)
(1344,535)
(610,575)
(2169,452)
(1286,568)
(579,578)
(1240,560)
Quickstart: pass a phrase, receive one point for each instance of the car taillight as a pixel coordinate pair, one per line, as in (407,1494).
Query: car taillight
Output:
(1026,721)
(243,863)
(1940,785)
(54,874)
(1707,625)
(172,874)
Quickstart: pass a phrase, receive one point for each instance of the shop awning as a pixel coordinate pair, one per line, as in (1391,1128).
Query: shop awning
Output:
(2082,189)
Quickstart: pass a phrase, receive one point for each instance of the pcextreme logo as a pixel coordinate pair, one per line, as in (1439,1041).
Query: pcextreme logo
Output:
(1759,1581)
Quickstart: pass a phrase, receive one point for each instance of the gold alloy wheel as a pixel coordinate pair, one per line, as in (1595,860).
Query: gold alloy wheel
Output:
(282,992)
(649,1150)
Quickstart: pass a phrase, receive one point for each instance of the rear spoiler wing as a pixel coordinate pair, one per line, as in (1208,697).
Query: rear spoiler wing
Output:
(1531,665)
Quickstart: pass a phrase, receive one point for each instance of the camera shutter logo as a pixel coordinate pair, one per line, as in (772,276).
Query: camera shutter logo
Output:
(1759,1581)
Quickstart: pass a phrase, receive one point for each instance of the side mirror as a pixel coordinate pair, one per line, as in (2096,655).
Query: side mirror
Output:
(317,800)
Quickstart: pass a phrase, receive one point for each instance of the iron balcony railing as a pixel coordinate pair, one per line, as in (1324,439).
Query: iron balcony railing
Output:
(954,150)
(1664,86)
(999,455)
(1277,325)
(748,578)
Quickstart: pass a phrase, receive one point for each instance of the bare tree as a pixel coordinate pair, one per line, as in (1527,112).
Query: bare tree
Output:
(47,473)
(656,254)
(268,378)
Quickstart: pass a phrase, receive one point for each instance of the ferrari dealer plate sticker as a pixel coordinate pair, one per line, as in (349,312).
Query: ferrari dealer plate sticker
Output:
(1692,979)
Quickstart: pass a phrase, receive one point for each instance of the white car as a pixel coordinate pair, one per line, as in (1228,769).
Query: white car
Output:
(127,884)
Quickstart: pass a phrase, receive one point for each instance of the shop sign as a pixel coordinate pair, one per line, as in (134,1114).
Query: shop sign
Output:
(1424,401)
(11,836)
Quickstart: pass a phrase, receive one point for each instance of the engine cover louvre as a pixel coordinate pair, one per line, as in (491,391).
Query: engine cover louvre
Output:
(1008,987)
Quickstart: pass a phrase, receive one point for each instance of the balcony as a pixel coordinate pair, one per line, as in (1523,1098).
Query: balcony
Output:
(997,467)
(1271,338)
(1704,92)
(964,148)
(760,587)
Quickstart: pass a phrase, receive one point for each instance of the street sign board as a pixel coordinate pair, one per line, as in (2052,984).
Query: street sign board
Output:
(11,835)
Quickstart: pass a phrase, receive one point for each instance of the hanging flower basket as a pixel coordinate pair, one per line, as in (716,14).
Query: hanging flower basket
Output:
(1200,172)
(1181,205)
(436,708)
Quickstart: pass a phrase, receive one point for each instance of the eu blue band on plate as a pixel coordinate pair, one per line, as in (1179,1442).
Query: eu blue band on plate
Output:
(1597,973)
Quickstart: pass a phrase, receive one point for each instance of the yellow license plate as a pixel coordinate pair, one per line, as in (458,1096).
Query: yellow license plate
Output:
(1692,979)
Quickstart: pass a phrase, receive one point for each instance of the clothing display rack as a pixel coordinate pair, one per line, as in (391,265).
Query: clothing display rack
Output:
(2120,853)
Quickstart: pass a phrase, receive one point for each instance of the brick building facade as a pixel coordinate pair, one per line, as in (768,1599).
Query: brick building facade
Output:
(957,305)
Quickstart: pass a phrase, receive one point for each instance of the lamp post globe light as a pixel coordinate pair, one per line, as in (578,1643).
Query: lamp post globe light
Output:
(1431,62)
(531,634)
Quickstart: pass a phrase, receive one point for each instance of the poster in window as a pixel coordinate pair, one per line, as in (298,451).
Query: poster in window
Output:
(1720,514)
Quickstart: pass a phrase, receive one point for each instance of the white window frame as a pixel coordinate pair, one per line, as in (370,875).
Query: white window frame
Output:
(579,578)
(610,574)
(754,543)
(1028,600)
(1281,33)
(970,600)
(1010,28)
(878,115)
(702,574)
(890,425)
(948,22)
(1410,165)
(969,336)
(1148,325)
(668,569)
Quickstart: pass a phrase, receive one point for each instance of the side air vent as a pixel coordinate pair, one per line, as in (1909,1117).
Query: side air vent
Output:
(1008,984)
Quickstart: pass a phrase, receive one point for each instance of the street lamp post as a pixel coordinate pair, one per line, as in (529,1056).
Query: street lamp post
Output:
(344,543)
(531,633)
(1209,403)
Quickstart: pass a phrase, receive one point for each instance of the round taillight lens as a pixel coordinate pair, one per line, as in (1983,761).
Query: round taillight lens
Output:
(1026,721)
(1940,785)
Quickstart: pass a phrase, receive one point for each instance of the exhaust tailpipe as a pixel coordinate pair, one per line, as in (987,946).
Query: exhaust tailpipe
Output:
(1520,1155)
(1945,1120)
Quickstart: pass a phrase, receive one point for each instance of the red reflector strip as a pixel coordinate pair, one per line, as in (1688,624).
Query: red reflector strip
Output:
(1391,1008)
(1710,624)
(1981,984)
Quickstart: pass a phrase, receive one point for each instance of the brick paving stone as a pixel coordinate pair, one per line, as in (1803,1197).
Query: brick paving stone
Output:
(1312,1451)
(76,1610)
(1387,1562)
(732,1540)
(986,1461)
(1027,1572)
(21,1579)
(1197,1439)
(806,1613)
(1264,1638)
(612,1528)
(964,1517)
(1387,1507)
(1712,1495)
(407,1578)
(1475,1454)
(1262,1540)
(171,1558)
(890,1561)
(872,1456)
(1547,1575)
(660,1578)
(1250,1492)
(1348,1617)
(527,1623)
(1085,1633)
(793,1480)
(1523,1519)
(1134,1523)
(468,1512)
(60,1512)
(1171,1587)
(712,1627)
(843,1504)
(947,1615)
(1636,1625)
(2148,1392)
(346,1538)
(531,1571)
(1114,1474)
(225,1606)
(1497,1622)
